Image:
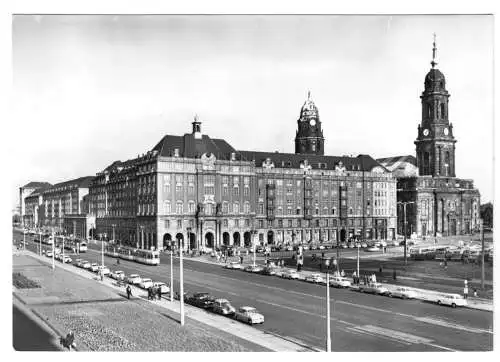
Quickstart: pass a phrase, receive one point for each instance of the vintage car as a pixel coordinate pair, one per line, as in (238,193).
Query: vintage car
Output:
(222,306)
(249,315)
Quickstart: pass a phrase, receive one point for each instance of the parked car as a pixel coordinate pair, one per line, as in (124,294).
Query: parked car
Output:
(163,287)
(233,265)
(364,245)
(202,300)
(289,248)
(49,254)
(343,245)
(340,282)
(77,262)
(104,270)
(146,283)
(351,245)
(403,293)
(315,278)
(222,306)
(372,249)
(66,259)
(305,247)
(86,264)
(383,244)
(118,275)
(269,270)
(94,267)
(374,288)
(249,315)
(290,274)
(260,249)
(452,300)
(253,269)
(134,279)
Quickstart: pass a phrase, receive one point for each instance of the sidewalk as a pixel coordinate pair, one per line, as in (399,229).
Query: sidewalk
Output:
(225,325)
(422,294)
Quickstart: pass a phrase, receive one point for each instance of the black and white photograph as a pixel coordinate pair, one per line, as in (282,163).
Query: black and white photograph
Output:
(252,183)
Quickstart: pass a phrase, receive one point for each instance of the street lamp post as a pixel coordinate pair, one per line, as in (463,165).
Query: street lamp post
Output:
(24,239)
(328,336)
(142,236)
(358,261)
(404,203)
(171,272)
(114,238)
(181,277)
(40,242)
(53,251)
(62,236)
(253,232)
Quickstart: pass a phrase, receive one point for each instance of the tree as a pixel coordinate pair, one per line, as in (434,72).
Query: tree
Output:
(486,212)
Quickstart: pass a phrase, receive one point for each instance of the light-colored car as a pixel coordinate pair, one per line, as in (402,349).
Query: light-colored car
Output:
(290,274)
(233,265)
(249,315)
(146,283)
(86,264)
(94,267)
(383,244)
(343,246)
(134,279)
(321,247)
(339,282)
(222,306)
(67,259)
(403,293)
(253,269)
(164,287)
(374,288)
(315,278)
(364,245)
(104,270)
(453,300)
(289,248)
(395,243)
(372,249)
(351,245)
(78,262)
(305,247)
(118,275)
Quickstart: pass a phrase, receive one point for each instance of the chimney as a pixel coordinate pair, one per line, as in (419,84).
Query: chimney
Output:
(197,128)
(176,152)
(233,156)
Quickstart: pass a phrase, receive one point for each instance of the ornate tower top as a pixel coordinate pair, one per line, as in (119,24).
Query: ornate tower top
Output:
(309,137)
(196,127)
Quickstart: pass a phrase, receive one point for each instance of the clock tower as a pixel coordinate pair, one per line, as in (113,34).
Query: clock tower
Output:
(435,144)
(309,137)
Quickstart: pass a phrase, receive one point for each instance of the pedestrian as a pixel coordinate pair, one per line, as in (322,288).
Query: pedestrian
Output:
(129,291)
(354,277)
(241,259)
(102,275)
(380,268)
(475,292)
(394,274)
(446,264)
(159,292)
(342,273)
(466,291)
(150,293)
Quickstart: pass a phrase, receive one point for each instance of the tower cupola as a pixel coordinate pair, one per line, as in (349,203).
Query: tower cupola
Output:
(309,137)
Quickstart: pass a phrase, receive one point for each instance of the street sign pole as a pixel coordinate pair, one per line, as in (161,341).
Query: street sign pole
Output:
(53,252)
(328,337)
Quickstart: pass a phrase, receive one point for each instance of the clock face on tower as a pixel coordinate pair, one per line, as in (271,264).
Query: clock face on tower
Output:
(312,122)
(446,131)
(426,132)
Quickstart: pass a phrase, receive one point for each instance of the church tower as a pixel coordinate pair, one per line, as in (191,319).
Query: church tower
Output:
(309,137)
(435,144)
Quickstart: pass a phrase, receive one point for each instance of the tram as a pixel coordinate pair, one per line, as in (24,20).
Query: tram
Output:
(147,257)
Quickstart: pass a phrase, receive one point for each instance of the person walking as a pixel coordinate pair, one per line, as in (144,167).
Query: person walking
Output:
(354,277)
(241,259)
(466,290)
(159,292)
(129,291)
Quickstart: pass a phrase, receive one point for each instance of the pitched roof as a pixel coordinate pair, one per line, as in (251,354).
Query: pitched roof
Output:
(37,185)
(81,182)
(292,160)
(392,162)
(191,147)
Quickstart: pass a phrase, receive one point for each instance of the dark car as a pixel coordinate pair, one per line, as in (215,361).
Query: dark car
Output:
(260,249)
(202,300)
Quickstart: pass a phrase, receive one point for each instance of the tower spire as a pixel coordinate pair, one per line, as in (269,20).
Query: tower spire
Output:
(309,95)
(434,63)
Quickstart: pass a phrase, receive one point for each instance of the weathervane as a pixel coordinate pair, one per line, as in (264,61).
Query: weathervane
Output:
(434,63)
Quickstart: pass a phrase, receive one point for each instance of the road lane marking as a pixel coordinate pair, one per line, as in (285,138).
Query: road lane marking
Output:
(390,333)
(444,323)
(442,347)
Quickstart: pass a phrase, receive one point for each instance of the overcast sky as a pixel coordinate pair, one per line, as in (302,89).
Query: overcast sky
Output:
(89,90)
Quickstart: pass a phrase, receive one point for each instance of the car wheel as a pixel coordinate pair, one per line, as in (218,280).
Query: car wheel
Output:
(453,305)
(249,321)
(389,295)
(439,302)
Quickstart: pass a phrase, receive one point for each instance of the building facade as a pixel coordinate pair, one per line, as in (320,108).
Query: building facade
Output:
(437,202)
(205,192)
(27,211)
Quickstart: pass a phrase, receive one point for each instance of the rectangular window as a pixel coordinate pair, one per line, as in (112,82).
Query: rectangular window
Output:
(225,223)
(224,190)
(261,224)
(246,191)
(179,224)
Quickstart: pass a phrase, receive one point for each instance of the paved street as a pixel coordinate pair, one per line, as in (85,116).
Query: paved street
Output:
(360,322)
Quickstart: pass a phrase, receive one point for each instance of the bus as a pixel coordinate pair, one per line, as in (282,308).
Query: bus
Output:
(428,251)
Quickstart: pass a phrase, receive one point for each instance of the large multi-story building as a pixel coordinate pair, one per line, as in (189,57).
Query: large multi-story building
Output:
(437,202)
(202,190)
(26,211)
